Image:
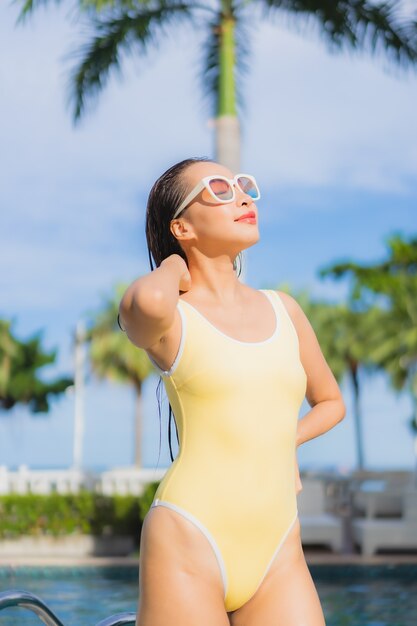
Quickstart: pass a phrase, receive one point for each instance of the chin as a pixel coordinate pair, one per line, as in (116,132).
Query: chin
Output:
(249,242)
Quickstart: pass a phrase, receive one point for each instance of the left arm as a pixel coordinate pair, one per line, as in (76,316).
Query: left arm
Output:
(323,393)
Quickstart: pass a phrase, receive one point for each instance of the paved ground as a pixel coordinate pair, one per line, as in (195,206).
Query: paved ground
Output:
(312,556)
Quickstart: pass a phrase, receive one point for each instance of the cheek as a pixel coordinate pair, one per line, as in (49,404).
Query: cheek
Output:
(217,215)
(214,221)
(218,223)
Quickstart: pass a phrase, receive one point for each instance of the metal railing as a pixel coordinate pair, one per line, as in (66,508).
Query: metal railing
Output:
(27,600)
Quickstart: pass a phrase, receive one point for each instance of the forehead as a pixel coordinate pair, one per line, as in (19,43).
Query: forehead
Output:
(196,171)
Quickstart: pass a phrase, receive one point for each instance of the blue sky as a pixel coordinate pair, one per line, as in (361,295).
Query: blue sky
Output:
(332,140)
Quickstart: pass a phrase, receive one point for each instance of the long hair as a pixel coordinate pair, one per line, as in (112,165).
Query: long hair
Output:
(165,196)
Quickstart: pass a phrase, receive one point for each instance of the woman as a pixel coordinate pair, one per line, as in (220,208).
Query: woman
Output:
(221,543)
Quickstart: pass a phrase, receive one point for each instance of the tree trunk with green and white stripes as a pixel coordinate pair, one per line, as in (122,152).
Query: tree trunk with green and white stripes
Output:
(227,136)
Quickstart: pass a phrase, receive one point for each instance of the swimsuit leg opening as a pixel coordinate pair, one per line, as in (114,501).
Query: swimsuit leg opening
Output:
(205,532)
(277,549)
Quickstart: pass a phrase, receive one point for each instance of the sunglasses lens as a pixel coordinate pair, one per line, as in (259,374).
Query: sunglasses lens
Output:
(248,186)
(221,189)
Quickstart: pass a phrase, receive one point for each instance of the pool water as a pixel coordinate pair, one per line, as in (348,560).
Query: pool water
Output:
(367,595)
(78,596)
(351,595)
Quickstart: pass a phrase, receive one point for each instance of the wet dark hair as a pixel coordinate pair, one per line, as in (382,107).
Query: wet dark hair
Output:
(165,196)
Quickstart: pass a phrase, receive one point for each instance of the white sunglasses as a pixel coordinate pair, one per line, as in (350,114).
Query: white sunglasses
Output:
(222,189)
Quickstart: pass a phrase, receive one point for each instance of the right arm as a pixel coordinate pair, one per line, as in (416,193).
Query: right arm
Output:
(147,308)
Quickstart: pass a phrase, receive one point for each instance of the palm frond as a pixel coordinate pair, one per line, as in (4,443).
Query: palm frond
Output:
(210,62)
(358,24)
(29,6)
(94,6)
(121,31)
(97,6)
(243,32)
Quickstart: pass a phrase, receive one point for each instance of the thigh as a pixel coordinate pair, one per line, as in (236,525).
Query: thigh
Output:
(179,579)
(287,595)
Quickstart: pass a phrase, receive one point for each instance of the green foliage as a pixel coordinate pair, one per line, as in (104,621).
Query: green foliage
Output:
(120,28)
(66,514)
(19,378)
(147,497)
(386,295)
(112,355)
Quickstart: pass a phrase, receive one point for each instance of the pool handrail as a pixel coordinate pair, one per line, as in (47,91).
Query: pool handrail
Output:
(120,619)
(27,600)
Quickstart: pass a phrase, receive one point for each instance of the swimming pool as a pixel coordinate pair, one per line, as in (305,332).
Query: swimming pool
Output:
(351,595)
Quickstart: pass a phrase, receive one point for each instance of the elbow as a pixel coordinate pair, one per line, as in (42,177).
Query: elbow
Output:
(151,302)
(341,410)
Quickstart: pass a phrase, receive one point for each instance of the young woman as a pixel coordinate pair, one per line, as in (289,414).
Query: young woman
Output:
(221,543)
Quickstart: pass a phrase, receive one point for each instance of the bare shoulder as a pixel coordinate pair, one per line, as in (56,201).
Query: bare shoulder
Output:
(294,310)
(321,382)
(299,319)
(306,334)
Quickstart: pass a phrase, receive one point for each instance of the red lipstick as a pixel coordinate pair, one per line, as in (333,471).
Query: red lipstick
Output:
(250,217)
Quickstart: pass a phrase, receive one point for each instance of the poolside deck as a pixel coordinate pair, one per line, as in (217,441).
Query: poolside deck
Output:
(312,556)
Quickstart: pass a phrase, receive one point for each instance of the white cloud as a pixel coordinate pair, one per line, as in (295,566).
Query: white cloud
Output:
(318,119)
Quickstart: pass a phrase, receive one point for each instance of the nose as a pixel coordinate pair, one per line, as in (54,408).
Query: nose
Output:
(242,197)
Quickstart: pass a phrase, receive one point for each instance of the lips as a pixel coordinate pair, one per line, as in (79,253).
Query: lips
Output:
(249,214)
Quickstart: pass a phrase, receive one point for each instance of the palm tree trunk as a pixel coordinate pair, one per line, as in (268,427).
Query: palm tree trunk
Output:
(228,142)
(79,384)
(413,424)
(358,420)
(227,123)
(138,428)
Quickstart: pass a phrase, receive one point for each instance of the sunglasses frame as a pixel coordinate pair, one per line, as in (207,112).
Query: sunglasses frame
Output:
(204,184)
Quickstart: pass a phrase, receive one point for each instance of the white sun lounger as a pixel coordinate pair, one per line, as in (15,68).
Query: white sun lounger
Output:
(375,533)
(317,525)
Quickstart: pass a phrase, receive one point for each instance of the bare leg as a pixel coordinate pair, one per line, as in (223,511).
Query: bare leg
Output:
(179,577)
(287,595)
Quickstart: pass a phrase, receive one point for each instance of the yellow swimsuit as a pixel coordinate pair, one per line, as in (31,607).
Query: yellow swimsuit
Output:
(236,406)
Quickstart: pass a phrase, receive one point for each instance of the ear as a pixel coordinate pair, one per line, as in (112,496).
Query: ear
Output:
(181,229)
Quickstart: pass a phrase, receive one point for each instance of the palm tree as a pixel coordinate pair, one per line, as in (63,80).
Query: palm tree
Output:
(122,26)
(113,357)
(20,362)
(391,331)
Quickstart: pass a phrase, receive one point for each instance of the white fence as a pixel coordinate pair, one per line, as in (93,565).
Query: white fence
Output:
(123,480)
(132,480)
